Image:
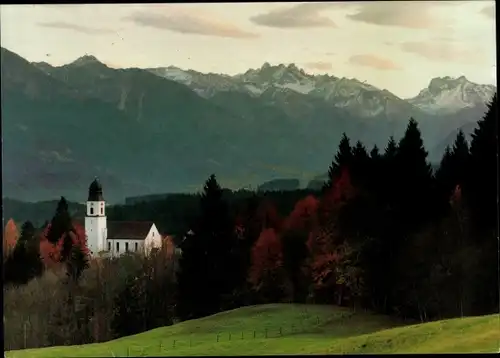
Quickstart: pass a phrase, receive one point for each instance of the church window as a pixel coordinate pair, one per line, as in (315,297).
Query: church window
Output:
(136,246)
(102,211)
(126,246)
(117,247)
(92,211)
(109,246)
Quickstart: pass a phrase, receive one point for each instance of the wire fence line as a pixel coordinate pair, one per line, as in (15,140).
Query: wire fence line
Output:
(311,324)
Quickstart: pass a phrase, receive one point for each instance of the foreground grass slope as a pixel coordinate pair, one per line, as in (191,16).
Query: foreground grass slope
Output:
(294,329)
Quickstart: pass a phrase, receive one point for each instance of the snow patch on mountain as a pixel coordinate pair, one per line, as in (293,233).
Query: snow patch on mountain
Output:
(443,95)
(449,95)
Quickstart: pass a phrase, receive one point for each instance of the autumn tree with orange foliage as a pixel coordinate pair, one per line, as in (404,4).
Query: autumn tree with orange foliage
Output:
(10,237)
(267,274)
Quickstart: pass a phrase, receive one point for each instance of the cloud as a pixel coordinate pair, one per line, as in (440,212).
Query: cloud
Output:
(442,51)
(409,14)
(79,28)
(321,66)
(374,61)
(298,16)
(189,24)
(489,11)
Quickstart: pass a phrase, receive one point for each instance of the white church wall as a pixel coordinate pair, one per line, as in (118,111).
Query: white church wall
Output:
(153,239)
(124,246)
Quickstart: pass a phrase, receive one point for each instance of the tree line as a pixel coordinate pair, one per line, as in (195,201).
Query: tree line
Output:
(386,233)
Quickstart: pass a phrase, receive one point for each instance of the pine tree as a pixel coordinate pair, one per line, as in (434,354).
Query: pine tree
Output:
(342,159)
(61,226)
(481,190)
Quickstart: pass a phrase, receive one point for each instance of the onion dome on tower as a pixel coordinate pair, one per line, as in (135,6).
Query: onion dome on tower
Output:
(95,191)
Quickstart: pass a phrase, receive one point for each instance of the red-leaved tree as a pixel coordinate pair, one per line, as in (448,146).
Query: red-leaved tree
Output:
(268,216)
(51,254)
(325,243)
(266,272)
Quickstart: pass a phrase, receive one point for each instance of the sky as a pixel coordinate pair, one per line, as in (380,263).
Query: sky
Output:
(395,45)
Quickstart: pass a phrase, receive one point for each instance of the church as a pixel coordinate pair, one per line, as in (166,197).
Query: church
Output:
(114,238)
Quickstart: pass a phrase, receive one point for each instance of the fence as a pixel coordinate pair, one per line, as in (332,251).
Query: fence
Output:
(311,325)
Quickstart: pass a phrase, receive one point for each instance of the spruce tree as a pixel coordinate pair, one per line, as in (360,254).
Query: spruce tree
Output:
(387,172)
(360,165)
(460,158)
(60,227)
(414,176)
(444,176)
(343,159)
(375,153)
(205,277)
(482,180)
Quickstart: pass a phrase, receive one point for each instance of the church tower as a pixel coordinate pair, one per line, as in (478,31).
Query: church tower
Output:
(95,220)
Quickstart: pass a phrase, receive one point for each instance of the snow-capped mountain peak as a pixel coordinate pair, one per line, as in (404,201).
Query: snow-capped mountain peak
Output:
(443,94)
(449,95)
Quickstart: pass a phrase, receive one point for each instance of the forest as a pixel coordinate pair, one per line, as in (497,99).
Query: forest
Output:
(386,233)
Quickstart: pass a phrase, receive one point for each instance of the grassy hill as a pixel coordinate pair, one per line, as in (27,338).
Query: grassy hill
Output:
(294,329)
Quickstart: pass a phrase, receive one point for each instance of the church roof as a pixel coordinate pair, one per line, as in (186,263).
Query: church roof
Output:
(128,230)
(95,191)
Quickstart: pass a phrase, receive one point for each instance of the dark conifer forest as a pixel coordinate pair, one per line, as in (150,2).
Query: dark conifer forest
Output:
(386,233)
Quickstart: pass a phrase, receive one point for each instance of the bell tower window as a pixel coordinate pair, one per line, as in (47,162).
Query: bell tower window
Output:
(91,211)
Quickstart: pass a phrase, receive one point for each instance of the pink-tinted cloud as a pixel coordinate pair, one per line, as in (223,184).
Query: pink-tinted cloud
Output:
(190,24)
(409,14)
(74,27)
(489,11)
(298,16)
(320,66)
(374,61)
(442,51)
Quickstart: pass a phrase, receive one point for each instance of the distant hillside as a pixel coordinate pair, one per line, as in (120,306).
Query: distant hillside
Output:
(280,185)
(37,213)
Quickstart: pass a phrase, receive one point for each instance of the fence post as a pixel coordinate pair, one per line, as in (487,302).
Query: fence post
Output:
(128,351)
(161,346)
(25,335)
(173,345)
(254,334)
(229,335)
(241,334)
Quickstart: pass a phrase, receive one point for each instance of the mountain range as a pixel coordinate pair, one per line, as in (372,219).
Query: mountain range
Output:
(146,131)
